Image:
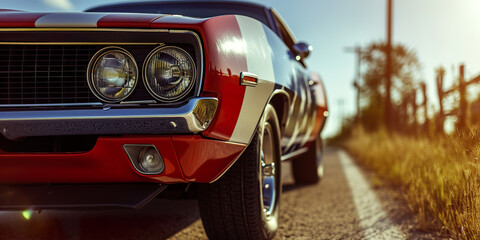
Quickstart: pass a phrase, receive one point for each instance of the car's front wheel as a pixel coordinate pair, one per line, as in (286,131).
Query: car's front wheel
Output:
(244,203)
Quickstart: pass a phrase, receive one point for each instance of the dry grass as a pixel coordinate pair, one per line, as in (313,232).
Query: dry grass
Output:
(440,177)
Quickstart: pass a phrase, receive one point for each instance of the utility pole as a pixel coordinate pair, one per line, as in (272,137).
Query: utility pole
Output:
(356,82)
(388,69)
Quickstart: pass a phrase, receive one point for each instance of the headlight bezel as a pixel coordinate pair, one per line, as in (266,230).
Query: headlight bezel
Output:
(94,60)
(193,84)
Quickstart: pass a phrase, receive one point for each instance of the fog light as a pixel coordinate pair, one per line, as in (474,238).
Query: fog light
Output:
(145,158)
(150,160)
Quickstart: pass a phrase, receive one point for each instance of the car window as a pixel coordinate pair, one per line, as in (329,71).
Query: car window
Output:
(283,30)
(286,35)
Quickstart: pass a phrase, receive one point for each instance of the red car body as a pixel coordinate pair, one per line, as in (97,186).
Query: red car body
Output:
(229,46)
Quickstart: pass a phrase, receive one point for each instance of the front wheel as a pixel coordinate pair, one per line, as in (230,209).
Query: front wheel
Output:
(244,203)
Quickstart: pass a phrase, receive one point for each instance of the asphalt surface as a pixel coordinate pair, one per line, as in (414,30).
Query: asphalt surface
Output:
(326,210)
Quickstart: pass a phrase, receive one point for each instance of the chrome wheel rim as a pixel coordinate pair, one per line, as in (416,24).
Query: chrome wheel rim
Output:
(267,169)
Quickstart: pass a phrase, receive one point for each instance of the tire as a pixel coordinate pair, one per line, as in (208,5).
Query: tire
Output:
(309,169)
(234,207)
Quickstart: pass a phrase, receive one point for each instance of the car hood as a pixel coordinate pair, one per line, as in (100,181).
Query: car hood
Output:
(17,19)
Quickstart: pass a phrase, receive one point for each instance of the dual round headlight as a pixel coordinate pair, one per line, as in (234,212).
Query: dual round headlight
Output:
(168,74)
(113,74)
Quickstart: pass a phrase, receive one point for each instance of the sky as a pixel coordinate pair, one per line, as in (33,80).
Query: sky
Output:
(441,32)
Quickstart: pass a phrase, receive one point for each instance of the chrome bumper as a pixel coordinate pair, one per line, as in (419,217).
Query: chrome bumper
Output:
(193,117)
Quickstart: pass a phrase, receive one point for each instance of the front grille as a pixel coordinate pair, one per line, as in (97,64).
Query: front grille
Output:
(49,67)
(45,74)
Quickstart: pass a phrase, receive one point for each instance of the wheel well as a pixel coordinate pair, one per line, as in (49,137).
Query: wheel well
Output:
(280,103)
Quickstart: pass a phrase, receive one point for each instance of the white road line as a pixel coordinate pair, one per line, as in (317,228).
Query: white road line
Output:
(373,220)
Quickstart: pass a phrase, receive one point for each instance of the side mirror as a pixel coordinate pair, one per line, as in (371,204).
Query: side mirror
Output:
(303,49)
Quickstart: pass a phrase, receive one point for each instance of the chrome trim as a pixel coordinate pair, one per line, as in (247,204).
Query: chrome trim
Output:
(248,83)
(51,105)
(139,102)
(92,64)
(146,82)
(187,113)
(294,154)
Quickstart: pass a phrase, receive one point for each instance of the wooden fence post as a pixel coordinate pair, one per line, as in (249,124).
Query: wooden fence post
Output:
(402,113)
(462,115)
(358,89)
(414,110)
(441,115)
(426,124)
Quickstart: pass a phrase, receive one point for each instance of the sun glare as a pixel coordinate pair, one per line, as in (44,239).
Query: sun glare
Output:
(27,214)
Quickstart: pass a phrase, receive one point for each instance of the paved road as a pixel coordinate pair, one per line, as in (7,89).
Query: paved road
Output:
(339,207)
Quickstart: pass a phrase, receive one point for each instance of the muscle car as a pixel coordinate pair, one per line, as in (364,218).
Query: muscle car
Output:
(108,107)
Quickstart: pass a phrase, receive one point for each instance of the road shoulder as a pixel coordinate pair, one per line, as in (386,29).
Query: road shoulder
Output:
(396,207)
